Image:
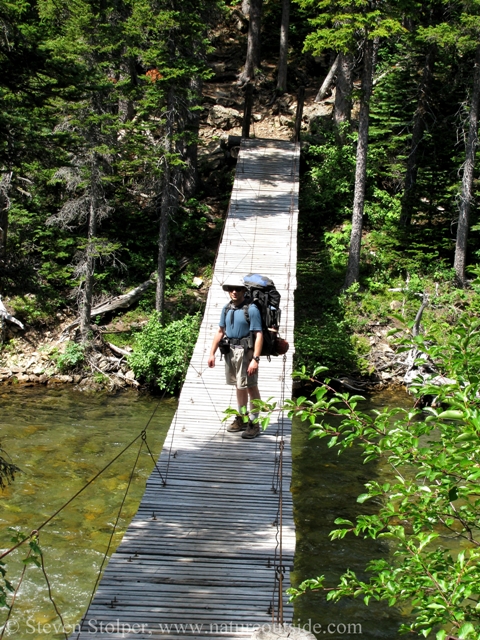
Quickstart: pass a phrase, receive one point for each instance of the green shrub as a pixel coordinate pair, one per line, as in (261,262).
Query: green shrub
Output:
(30,309)
(72,357)
(161,353)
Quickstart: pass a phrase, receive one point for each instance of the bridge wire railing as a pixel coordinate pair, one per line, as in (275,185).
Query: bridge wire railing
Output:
(279,568)
(277,478)
(35,532)
(278,467)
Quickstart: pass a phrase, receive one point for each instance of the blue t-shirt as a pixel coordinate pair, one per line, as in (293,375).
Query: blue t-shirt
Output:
(240,327)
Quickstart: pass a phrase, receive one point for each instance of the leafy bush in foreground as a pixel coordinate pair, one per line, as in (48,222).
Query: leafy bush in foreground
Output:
(430,510)
(161,353)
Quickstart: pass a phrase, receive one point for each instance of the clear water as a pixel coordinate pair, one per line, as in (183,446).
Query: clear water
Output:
(62,438)
(325,487)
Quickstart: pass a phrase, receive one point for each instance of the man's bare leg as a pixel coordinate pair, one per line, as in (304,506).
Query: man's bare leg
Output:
(254,394)
(242,399)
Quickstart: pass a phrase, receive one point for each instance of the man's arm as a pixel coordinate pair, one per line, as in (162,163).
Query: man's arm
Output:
(216,339)
(257,350)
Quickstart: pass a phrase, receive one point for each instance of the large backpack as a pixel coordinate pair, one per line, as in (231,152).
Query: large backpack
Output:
(262,293)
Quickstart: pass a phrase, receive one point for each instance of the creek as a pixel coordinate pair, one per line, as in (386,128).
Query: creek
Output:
(61,438)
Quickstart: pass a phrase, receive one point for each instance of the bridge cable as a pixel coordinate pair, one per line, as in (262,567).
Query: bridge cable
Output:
(279,568)
(89,482)
(10,609)
(114,528)
(50,595)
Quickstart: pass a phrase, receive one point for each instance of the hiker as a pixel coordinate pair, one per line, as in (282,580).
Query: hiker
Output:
(243,355)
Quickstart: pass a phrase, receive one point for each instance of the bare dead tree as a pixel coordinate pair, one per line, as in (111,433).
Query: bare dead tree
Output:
(188,124)
(353,267)
(467,180)
(343,95)
(167,202)
(283,56)
(322,92)
(90,251)
(252,61)
(5,183)
(88,208)
(417,135)
(126,106)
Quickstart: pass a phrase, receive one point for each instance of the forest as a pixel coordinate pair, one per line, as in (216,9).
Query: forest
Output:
(110,180)
(116,171)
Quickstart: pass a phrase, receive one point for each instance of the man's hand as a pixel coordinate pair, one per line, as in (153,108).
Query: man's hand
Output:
(216,341)
(252,367)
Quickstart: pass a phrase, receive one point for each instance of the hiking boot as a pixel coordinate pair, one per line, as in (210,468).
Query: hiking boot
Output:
(252,431)
(237,425)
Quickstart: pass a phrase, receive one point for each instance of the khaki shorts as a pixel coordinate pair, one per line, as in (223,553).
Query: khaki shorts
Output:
(236,365)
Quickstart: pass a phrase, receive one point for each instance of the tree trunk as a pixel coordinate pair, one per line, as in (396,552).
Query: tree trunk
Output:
(283,57)
(343,95)
(467,180)
(353,267)
(246,8)
(322,92)
(86,306)
(188,144)
(126,107)
(417,135)
(252,61)
(166,200)
(4,207)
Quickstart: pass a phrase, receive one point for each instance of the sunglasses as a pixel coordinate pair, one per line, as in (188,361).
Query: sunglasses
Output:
(236,289)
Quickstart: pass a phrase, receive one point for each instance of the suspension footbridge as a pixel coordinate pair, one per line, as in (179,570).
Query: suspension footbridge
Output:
(210,549)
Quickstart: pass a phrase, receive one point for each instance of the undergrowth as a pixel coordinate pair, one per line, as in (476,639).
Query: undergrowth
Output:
(334,328)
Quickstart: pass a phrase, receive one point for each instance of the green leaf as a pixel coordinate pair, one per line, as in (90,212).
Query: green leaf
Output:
(451,414)
(465,630)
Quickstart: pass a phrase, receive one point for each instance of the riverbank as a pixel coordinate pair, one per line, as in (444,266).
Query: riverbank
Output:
(351,333)
(357,335)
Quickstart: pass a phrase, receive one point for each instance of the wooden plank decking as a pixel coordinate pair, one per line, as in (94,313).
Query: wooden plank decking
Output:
(202,555)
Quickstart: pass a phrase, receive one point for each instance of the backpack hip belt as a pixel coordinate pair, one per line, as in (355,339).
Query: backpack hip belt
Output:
(246,342)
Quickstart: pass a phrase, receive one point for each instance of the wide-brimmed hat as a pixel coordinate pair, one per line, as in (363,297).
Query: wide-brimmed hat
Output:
(233,281)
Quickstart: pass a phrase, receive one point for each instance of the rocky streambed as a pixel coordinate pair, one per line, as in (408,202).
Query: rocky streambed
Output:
(33,357)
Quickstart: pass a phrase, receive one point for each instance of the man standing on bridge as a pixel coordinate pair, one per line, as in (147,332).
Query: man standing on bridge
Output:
(242,358)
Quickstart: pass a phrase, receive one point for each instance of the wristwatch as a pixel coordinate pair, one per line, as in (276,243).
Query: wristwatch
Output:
(256,358)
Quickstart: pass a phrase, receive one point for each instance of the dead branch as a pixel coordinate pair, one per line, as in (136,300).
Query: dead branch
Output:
(4,313)
(119,302)
(115,349)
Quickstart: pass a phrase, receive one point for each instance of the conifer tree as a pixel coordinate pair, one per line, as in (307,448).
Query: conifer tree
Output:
(343,95)
(418,127)
(252,61)
(143,63)
(93,124)
(342,25)
(467,179)
(283,55)
(461,34)
(32,78)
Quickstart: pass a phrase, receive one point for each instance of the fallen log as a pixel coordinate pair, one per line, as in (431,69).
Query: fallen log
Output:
(7,316)
(121,352)
(119,302)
